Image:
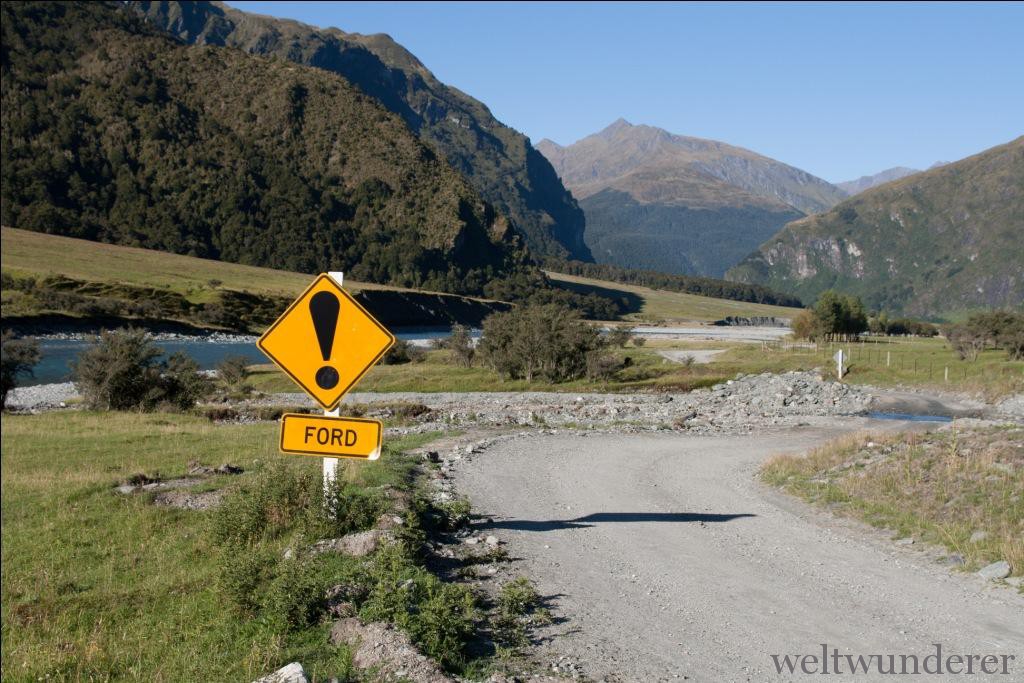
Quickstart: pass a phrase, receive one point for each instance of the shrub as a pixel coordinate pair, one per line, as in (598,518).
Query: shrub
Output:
(403,352)
(539,341)
(295,596)
(639,341)
(438,617)
(234,372)
(19,356)
(461,345)
(618,337)
(123,371)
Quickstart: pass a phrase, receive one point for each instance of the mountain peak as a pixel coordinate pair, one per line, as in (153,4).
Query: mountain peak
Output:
(617,125)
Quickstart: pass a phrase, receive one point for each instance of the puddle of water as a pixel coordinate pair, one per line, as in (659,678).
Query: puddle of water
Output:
(910,418)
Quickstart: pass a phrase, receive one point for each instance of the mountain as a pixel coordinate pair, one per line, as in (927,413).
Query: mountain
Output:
(499,162)
(933,244)
(866,182)
(680,204)
(115,132)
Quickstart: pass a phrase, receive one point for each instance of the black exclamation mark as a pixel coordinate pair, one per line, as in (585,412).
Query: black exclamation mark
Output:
(324,307)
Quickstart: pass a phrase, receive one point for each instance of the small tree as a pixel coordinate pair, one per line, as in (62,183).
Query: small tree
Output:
(402,352)
(234,373)
(123,371)
(804,325)
(19,356)
(618,337)
(547,341)
(461,345)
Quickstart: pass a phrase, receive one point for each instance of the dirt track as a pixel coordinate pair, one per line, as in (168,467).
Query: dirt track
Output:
(668,560)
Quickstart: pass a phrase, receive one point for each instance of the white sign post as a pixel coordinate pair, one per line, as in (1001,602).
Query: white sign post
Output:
(331,464)
(839,363)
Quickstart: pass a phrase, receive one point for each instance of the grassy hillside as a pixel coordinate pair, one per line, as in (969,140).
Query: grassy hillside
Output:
(498,161)
(203,281)
(184,288)
(115,132)
(937,243)
(655,305)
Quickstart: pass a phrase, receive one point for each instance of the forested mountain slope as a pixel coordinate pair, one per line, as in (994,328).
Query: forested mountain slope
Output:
(935,243)
(498,161)
(115,132)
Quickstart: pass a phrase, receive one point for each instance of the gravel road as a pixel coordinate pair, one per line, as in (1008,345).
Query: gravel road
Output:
(669,560)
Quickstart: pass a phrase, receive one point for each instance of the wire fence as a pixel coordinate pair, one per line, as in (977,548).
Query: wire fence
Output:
(911,358)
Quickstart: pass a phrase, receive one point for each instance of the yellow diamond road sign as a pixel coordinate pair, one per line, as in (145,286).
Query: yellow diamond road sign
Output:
(326,341)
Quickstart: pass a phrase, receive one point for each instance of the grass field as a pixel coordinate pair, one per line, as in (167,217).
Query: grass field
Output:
(657,305)
(991,376)
(438,373)
(38,254)
(27,253)
(939,487)
(99,586)
(892,362)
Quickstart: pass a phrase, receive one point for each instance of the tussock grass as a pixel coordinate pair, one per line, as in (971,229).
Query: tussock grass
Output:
(939,487)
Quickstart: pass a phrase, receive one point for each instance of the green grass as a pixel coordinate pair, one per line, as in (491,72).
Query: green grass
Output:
(938,487)
(991,376)
(100,586)
(664,306)
(917,363)
(437,373)
(34,253)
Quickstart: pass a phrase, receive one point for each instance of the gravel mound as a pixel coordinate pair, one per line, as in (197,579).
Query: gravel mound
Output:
(42,396)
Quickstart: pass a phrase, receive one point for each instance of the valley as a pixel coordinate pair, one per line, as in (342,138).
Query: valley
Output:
(645,406)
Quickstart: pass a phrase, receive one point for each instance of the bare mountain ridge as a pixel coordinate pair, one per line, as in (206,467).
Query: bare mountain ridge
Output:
(679,204)
(866,182)
(590,164)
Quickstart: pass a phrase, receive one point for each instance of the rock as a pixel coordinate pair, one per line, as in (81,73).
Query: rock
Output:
(1015,581)
(432,456)
(905,541)
(228,468)
(290,673)
(978,536)
(954,560)
(491,540)
(996,570)
(359,544)
(387,651)
(472,540)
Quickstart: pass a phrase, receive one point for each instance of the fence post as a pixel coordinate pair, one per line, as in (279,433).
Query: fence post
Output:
(947,373)
(888,358)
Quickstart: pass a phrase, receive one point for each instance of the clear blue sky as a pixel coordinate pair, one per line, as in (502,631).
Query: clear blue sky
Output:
(840,90)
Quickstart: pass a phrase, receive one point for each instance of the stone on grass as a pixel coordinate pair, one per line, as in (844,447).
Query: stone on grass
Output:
(979,536)
(996,570)
(359,544)
(290,673)
(387,651)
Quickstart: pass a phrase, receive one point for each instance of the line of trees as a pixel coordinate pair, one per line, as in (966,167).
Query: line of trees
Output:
(992,330)
(689,284)
(834,317)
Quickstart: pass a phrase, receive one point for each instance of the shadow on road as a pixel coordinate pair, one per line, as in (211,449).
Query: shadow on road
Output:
(607,517)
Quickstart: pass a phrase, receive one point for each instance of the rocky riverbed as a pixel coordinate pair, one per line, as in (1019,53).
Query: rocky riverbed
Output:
(743,405)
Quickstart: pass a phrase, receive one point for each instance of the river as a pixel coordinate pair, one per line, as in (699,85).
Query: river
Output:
(58,354)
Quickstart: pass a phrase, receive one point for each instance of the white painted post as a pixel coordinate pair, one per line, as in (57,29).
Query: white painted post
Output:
(331,464)
(888,358)
(839,363)
(947,373)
